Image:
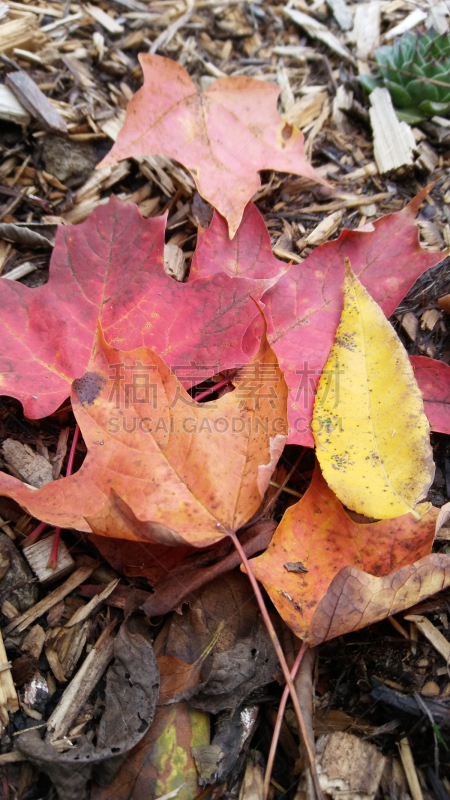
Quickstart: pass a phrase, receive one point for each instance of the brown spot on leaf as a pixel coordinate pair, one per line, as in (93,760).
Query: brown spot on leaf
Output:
(286,133)
(89,387)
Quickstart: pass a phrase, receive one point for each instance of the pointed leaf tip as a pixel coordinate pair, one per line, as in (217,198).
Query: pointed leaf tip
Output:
(371,432)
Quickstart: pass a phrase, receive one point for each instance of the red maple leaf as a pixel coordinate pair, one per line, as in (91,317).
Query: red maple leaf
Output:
(433,378)
(303,307)
(111,268)
(223,135)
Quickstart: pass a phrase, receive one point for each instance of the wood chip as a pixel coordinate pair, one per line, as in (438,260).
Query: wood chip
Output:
(5,563)
(69,644)
(85,611)
(33,613)
(393,141)
(341,14)
(366,32)
(411,21)
(430,689)
(427,158)
(10,108)
(61,452)
(55,664)
(168,33)
(21,32)
(11,758)
(410,770)
(429,319)
(410,325)
(305,110)
(8,696)
(431,235)
(38,554)
(317,30)
(102,179)
(35,101)
(59,22)
(323,230)
(20,271)
(80,687)
(26,464)
(431,633)
(34,642)
(281,252)
(174,262)
(107,22)
(5,528)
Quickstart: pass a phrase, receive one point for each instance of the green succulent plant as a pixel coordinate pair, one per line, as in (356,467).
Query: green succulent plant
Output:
(416,70)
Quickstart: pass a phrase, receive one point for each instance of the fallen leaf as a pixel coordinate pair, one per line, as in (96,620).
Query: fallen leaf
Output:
(151,469)
(228,678)
(111,268)
(177,676)
(225,754)
(356,599)
(163,760)
(48,333)
(222,632)
(176,572)
(177,587)
(122,596)
(169,116)
(131,696)
(248,255)
(143,559)
(372,435)
(318,531)
(304,307)
(433,378)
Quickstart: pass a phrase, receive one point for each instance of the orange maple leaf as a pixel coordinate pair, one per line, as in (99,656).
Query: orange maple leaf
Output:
(328,575)
(160,466)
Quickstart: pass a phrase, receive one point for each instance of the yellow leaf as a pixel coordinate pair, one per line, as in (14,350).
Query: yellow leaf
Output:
(371,432)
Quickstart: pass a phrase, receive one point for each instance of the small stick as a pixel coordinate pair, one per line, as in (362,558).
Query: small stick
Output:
(410,770)
(78,691)
(28,617)
(279,722)
(435,637)
(8,695)
(283,664)
(53,560)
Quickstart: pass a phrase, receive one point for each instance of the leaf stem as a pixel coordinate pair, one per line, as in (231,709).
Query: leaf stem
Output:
(279,721)
(72,450)
(53,560)
(34,535)
(52,563)
(283,663)
(212,389)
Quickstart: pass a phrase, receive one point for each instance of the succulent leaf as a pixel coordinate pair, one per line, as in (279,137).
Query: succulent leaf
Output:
(416,70)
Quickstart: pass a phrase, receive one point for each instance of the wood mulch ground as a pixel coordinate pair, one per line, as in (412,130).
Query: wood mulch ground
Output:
(83,58)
